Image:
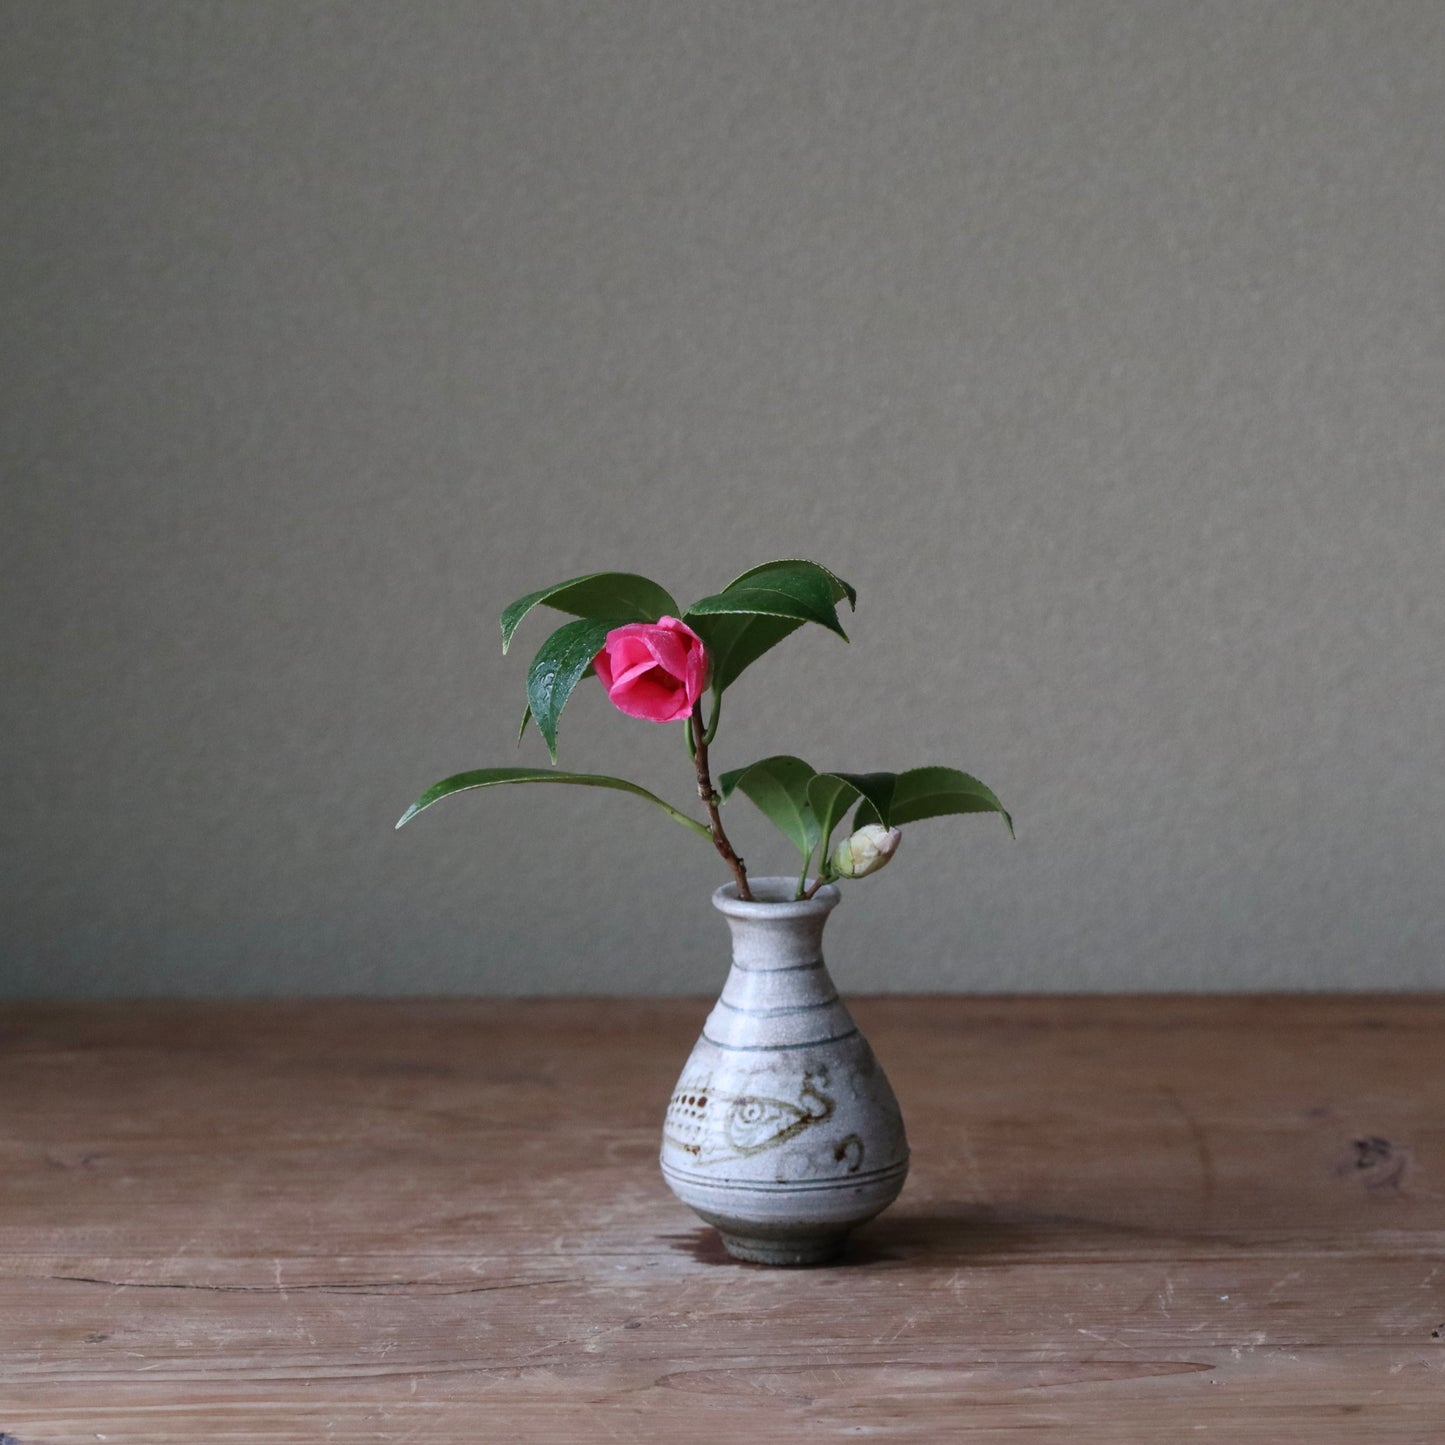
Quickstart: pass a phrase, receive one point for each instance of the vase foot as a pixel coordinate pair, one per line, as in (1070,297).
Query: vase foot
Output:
(786,1248)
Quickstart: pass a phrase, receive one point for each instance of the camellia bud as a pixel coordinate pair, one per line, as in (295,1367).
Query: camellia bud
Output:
(866,851)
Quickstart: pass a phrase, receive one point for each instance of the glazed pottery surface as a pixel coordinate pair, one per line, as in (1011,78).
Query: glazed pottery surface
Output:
(783,1130)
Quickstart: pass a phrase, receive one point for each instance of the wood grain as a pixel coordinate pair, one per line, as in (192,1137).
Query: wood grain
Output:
(1129,1220)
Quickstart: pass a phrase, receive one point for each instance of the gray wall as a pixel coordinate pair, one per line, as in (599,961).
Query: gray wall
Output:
(1102,345)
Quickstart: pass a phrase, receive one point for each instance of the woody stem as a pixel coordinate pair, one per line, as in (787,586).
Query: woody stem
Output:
(698,736)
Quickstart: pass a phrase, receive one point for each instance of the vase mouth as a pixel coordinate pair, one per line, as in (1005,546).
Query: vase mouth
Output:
(774,898)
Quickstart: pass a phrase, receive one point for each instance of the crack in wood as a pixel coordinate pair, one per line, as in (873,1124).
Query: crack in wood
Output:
(371,1287)
(1202,1150)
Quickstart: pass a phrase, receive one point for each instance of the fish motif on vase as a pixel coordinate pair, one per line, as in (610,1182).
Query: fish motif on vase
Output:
(752,1123)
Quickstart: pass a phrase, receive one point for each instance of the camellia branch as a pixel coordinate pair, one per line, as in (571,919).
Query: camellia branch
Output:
(658,669)
(699,739)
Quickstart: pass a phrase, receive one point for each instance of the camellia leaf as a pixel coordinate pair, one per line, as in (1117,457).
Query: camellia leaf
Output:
(830,796)
(490,777)
(779,786)
(867,813)
(527,717)
(840,589)
(798,591)
(736,642)
(924,793)
(877,795)
(558,667)
(621,596)
(934,792)
(757,610)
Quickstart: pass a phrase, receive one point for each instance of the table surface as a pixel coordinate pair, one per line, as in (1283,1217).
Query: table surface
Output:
(1129,1219)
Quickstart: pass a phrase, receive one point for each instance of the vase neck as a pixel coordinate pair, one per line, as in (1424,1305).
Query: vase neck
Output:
(778,993)
(776,931)
(763,946)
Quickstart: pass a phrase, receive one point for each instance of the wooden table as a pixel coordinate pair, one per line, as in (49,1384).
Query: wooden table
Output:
(1129,1220)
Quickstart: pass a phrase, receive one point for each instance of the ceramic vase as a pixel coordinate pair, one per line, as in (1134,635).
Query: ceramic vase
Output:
(783,1131)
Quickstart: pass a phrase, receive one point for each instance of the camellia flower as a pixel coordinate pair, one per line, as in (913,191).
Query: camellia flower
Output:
(866,851)
(653,670)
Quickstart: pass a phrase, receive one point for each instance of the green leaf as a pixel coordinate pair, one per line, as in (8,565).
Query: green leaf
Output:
(877,795)
(491,777)
(736,642)
(527,711)
(779,786)
(558,667)
(934,792)
(798,591)
(830,796)
(756,611)
(621,596)
(840,589)
(894,799)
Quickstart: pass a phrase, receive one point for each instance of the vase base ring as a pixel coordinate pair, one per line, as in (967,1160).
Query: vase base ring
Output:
(790,1248)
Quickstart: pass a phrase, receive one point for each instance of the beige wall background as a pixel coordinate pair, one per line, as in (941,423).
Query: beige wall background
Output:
(1101,345)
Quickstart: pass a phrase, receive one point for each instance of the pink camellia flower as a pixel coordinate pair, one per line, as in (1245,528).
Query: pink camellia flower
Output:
(653,670)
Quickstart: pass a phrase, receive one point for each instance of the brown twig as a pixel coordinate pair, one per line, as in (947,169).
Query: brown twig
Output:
(708,794)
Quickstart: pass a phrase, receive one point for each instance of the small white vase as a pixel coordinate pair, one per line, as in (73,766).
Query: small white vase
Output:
(783,1130)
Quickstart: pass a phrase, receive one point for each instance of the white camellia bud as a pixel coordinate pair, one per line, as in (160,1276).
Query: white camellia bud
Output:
(866,851)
